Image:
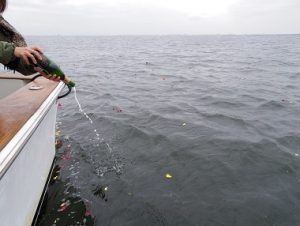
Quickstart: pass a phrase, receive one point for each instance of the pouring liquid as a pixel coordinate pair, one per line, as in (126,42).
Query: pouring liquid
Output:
(91,121)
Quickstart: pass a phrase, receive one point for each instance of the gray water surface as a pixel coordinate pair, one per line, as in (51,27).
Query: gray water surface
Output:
(218,113)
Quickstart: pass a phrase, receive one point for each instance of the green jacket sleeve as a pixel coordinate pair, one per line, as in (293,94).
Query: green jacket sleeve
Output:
(8,58)
(6,52)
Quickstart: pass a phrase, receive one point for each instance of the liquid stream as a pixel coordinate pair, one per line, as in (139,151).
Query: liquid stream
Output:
(92,122)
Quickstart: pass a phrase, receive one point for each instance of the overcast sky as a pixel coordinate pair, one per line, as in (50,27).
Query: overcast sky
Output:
(126,17)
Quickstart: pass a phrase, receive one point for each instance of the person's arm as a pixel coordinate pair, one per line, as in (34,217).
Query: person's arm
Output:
(18,58)
(26,56)
(9,53)
(7,50)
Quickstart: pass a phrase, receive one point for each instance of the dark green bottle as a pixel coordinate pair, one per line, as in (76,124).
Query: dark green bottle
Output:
(51,68)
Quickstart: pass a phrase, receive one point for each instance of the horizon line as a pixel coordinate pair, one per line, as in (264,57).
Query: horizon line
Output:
(245,34)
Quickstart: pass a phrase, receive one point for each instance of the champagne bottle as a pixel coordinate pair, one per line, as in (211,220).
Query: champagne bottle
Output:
(51,68)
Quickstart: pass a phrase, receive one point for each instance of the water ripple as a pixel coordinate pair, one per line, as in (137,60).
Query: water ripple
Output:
(218,113)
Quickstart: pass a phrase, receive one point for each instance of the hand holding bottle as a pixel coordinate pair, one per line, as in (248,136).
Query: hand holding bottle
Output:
(28,54)
(51,70)
(33,54)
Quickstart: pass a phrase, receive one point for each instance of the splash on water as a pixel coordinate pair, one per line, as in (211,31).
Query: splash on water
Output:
(100,170)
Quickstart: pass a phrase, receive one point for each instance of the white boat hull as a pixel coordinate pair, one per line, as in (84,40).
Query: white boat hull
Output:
(25,164)
(22,185)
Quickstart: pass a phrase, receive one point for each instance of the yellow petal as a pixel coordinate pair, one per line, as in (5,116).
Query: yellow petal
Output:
(168,176)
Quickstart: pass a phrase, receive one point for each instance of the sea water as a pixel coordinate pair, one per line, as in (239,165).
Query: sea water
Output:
(218,113)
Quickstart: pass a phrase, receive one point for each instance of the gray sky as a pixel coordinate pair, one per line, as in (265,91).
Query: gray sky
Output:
(125,17)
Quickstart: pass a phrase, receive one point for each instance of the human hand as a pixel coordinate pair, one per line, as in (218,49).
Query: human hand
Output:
(28,53)
(48,76)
